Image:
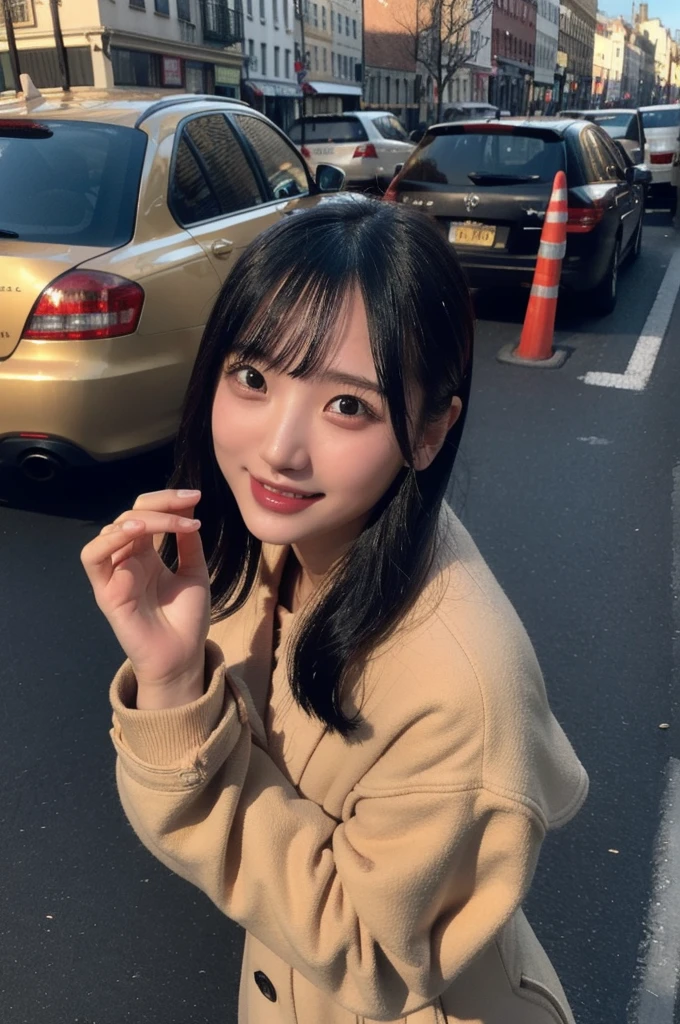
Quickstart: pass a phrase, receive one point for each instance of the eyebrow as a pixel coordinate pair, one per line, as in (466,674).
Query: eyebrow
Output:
(337,377)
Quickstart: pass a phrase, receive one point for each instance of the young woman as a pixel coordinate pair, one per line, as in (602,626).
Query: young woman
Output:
(331,719)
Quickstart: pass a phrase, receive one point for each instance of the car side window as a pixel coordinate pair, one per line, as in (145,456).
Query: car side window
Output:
(616,167)
(282,164)
(599,163)
(390,128)
(211,175)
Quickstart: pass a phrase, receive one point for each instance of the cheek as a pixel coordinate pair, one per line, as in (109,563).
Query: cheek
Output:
(363,462)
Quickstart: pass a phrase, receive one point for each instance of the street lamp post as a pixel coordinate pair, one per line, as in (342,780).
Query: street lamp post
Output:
(12,44)
(300,11)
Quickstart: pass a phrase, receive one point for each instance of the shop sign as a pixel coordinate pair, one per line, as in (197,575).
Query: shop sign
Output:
(226,76)
(171,71)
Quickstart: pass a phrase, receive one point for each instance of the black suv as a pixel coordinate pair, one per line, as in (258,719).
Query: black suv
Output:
(488,183)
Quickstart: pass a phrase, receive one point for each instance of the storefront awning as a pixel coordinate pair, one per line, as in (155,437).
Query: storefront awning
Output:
(333,89)
(275,88)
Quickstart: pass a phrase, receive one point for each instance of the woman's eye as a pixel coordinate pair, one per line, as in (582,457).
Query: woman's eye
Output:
(349,405)
(249,378)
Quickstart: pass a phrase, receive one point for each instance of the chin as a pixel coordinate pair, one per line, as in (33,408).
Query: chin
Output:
(274,528)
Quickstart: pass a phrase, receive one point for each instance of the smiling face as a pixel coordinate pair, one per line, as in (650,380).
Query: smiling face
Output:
(307,459)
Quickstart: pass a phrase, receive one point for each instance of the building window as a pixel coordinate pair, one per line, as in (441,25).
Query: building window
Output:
(345,66)
(249,8)
(346,25)
(162,7)
(139,4)
(184,10)
(396,89)
(323,18)
(340,24)
(316,15)
(287,63)
(263,58)
(277,62)
(316,57)
(325,59)
(263,14)
(333,63)
(275,11)
(354,27)
(285,13)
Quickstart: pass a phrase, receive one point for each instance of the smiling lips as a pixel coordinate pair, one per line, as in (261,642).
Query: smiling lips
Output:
(284,502)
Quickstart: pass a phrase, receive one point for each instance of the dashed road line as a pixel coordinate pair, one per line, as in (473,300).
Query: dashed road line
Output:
(641,364)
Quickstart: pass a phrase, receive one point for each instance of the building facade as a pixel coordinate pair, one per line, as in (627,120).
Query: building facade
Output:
(269,81)
(545,58)
(576,45)
(665,55)
(175,44)
(513,54)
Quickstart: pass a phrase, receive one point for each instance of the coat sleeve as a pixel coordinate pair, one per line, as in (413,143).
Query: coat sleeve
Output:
(380,910)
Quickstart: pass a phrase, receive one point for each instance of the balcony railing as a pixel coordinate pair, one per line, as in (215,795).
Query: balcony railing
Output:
(221,23)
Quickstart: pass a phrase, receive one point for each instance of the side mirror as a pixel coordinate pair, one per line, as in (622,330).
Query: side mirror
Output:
(416,135)
(640,174)
(636,156)
(329,178)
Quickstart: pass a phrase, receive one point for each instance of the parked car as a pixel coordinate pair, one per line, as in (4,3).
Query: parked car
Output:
(662,128)
(121,215)
(366,144)
(469,111)
(624,126)
(488,183)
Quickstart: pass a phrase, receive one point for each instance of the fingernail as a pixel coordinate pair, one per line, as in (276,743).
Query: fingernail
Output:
(187,494)
(132,524)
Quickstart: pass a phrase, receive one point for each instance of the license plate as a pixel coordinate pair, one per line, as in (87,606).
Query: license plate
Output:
(322,150)
(462,234)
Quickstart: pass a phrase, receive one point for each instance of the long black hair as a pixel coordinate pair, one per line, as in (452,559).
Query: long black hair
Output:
(292,283)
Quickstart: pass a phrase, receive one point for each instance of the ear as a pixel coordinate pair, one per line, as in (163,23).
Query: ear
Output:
(434,435)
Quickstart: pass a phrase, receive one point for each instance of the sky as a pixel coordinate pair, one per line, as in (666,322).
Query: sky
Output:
(667,10)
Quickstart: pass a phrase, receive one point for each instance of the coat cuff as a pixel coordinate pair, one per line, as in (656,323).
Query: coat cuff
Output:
(173,737)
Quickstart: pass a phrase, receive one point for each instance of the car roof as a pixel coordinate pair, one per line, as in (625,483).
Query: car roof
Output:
(611,110)
(110,106)
(467,105)
(661,106)
(344,114)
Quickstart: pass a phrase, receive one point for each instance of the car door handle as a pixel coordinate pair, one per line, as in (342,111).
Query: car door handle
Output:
(221,247)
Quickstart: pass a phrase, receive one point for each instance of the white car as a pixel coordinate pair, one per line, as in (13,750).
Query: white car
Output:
(662,131)
(368,145)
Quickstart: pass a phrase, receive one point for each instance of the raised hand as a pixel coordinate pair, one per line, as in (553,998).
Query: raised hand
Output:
(161,618)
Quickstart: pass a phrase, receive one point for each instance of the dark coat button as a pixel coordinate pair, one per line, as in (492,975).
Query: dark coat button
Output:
(265,986)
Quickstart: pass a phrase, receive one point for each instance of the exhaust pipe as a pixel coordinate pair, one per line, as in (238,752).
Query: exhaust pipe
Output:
(40,466)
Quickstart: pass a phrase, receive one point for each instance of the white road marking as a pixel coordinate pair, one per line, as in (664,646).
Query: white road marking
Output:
(641,365)
(654,1001)
(593,440)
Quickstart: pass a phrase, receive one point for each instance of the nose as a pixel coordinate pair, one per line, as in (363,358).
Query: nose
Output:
(285,445)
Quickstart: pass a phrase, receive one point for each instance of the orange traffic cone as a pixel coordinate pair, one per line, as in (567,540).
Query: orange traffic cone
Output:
(536,341)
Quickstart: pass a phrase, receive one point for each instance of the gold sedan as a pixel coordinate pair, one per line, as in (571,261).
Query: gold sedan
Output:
(120,218)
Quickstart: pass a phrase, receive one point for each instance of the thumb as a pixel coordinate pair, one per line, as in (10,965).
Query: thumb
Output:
(190,555)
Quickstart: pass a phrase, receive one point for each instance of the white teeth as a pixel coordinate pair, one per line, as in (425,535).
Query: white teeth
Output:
(286,494)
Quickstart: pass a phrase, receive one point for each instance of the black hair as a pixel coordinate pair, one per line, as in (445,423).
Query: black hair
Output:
(292,282)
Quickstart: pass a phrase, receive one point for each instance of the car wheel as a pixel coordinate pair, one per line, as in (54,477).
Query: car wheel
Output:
(603,297)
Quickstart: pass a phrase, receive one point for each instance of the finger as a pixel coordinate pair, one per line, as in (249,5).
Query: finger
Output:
(158,522)
(96,557)
(190,555)
(167,500)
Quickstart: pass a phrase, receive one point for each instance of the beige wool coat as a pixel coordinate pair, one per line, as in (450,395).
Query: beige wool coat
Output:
(381,878)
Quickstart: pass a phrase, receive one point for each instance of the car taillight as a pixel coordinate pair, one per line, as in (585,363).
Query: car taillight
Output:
(367,151)
(305,152)
(86,304)
(581,219)
(661,158)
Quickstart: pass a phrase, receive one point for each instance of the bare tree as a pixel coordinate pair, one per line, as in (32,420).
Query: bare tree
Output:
(444,35)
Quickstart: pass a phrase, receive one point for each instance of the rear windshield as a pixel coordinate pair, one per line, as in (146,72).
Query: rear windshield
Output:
(615,125)
(337,129)
(661,118)
(452,159)
(77,187)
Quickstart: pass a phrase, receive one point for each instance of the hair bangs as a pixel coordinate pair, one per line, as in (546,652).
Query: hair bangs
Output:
(298,326)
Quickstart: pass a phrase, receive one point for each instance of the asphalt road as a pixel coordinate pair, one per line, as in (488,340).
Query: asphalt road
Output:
(567,490)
